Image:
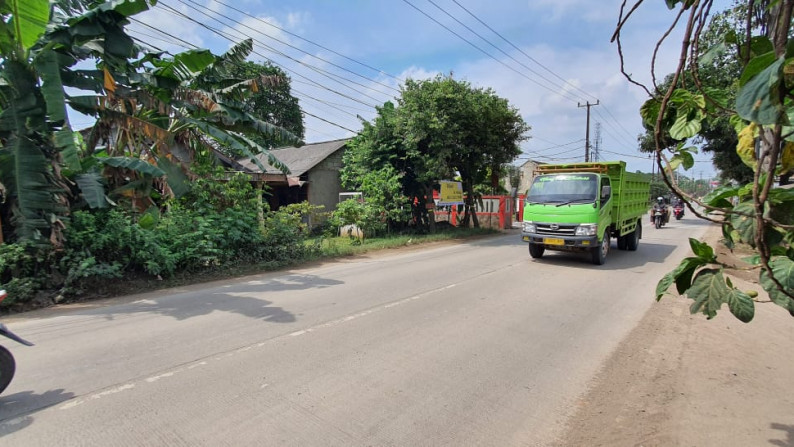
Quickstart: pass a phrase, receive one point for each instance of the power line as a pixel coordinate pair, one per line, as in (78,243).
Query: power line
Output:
(537,151)
(618,122)
(320,71)
(625,155)
(494,46)
(488,54)
(294,47)
(190,45)
(522,51)
(309,41)
(620,136)
(225,36)
(614,119)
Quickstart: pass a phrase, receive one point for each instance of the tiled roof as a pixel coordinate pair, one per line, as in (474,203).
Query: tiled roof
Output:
(298,159)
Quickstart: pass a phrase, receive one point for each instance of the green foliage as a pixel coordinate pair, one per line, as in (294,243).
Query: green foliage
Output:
(441,127)
(388,171)
(747,125)
(461,129)
(215,225)
(275,105)
(154,112)
(360,214)
(24,271)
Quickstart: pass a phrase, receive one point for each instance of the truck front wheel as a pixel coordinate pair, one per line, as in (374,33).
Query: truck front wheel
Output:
(536,250)
(600,253)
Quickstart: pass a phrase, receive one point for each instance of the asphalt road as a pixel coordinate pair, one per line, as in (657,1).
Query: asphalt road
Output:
(464,344)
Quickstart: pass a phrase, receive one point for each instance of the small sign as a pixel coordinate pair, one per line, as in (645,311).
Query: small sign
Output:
(451,193)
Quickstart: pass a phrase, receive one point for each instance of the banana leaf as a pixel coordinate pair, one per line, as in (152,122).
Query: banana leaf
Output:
(92,189)
(134,164)
(176,178)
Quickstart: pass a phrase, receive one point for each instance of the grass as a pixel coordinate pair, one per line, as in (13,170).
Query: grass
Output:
(346,246)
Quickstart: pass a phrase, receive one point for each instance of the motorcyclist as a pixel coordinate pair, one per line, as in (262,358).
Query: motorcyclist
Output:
(662,206)
(679,204)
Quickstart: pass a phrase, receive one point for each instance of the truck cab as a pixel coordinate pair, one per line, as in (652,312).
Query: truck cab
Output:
(567,211)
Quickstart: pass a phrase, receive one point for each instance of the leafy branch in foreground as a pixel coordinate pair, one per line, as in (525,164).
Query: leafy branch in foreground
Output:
(738,67)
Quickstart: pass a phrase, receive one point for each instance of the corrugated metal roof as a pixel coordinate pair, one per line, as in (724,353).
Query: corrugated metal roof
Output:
(298,159)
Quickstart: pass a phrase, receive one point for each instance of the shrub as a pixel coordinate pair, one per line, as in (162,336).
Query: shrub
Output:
(363,215)
(24,271)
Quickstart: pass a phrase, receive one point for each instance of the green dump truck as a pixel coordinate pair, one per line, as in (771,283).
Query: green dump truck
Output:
(582,206)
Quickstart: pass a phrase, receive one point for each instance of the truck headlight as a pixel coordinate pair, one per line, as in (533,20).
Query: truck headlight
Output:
(587,230)
(529,227)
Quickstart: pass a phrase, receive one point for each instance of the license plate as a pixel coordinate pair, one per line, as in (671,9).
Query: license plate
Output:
(553,241)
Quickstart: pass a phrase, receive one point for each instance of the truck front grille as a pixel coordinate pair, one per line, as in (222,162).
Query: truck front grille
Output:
(556,229)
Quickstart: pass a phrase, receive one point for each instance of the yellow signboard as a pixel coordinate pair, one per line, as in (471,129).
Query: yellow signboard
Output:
(451,193)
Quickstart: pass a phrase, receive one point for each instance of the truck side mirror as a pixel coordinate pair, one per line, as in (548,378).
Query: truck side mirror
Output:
(606,191)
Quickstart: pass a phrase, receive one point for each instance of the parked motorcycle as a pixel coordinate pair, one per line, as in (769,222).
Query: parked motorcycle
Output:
(7,363)
(678,211)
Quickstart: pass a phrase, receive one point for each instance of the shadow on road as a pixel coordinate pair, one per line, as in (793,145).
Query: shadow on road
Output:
(648,252)
(788,430)
(25,403)
(245,298)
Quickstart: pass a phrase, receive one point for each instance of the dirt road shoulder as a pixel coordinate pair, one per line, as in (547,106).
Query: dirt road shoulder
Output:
(681,380)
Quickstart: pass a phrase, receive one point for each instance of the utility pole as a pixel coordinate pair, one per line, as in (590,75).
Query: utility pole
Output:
(587,131)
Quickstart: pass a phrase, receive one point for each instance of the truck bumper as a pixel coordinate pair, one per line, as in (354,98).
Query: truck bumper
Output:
(568,243)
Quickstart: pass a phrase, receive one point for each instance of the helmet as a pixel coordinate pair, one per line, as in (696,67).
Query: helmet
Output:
(660,199)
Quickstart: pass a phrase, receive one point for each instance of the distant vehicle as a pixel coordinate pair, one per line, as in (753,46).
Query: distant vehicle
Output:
(678,211)
(579,207)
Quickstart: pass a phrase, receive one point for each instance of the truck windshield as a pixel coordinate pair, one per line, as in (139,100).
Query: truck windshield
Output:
(563,188)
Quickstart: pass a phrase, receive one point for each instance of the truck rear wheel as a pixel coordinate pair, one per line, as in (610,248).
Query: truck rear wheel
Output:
(600,253)
(536,250)
(633,239)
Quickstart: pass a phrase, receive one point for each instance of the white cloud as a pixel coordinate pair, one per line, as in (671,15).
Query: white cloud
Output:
(296,21)
(562,10)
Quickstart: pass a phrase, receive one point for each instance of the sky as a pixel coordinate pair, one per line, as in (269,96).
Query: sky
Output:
(548,58)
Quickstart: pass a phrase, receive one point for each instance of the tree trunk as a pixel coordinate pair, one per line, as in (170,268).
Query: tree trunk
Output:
(430,205)
(470,208)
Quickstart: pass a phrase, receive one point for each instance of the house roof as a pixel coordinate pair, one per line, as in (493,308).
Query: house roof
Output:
(299,160)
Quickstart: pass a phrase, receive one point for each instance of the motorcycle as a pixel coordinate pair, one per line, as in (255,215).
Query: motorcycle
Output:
(658,218)
(7,363)
(678,211)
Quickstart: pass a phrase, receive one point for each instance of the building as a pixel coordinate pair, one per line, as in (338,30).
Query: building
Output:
(526,175)
(313,174)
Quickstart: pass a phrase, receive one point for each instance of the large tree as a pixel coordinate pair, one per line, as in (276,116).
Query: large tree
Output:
(379,164)
(759,107)
(440,128)
(461,129)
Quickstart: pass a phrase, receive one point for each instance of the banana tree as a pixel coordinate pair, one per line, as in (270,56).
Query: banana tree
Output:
(35,136)
(147,108)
